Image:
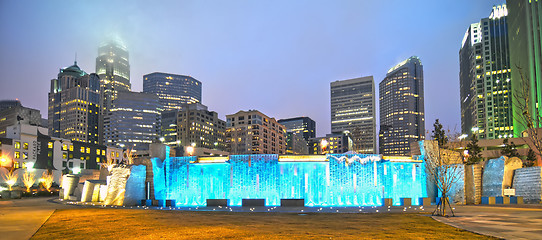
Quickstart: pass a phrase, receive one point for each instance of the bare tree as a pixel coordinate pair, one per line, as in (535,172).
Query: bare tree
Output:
(28,180)
(443,164)
(528,120)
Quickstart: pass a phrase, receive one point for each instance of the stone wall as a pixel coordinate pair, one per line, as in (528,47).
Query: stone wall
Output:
(528,184)
(469,184)
(477,175)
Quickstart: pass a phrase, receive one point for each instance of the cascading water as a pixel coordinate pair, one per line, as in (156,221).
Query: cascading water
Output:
(339,180)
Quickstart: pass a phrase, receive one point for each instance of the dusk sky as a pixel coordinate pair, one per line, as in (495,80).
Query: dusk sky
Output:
(278,57)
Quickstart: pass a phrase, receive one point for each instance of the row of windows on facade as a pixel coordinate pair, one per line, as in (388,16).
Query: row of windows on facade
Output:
(220,123)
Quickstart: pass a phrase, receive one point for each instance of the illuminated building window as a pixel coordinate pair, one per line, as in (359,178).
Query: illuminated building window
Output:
(25,146)
(64,147)
(17,145)
(17,155)
(50,144)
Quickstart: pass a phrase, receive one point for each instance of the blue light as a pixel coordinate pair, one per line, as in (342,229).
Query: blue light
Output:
(342,180)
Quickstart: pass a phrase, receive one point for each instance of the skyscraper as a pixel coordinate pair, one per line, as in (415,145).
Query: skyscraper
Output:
(18,115)
(525,37)
(402,119)
(74,106)
(304,126)
(252,132)
(485,87)
(133,122)
(5,104)
(298,132)
(173,90)
(200,128)
(353,110)
(113,67)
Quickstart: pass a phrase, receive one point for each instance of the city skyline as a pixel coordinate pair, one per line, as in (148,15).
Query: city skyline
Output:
(232,51)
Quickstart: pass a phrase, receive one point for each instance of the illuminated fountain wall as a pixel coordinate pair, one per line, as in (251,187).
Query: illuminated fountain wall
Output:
(331,180)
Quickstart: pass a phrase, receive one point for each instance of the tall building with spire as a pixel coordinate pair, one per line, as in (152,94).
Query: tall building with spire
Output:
(402,120)
(485,78)
(74,106)
(113,67)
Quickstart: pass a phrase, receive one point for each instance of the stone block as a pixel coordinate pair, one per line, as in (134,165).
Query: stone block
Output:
(502,200)
(88,191)
(456,192)
(292,202)
(4,194)
(103,193)
(488,200)
(253,202)
(424,201)
(135,185)
(170,203)
(469,184)
(69,184)
(218,202)
(477,173)
(493,177)
(96,192)
(78,191)
(387,201)
(406,202)
(117,186)
(510,165)
(528,184)
(16,194)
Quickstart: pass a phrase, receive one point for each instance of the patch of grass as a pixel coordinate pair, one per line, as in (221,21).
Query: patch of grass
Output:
(153,224)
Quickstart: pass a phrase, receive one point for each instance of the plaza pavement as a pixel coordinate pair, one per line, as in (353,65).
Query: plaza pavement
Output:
(501,221)
(21,218)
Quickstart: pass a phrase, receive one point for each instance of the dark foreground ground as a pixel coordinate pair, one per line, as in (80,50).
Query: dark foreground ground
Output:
(98,223)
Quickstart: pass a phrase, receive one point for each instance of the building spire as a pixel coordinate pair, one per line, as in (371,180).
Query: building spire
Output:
(75,61)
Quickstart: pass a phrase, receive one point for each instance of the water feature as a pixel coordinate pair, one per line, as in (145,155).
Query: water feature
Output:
(330,180)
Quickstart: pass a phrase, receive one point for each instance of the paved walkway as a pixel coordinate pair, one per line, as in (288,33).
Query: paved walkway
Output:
(508,222)
(21,218)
